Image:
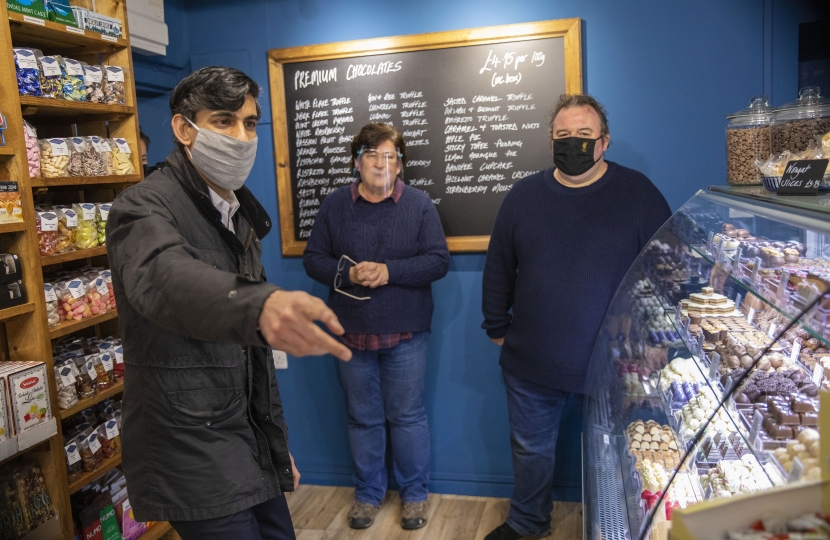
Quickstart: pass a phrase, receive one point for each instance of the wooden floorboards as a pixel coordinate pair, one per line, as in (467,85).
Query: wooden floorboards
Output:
(319,513)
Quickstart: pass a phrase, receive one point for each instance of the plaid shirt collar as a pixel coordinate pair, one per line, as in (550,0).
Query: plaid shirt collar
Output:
(397,191)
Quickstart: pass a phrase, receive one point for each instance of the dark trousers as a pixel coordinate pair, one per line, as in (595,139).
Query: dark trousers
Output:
(266,521)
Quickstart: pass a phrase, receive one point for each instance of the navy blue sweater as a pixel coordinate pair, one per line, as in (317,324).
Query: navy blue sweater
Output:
(556,258)
(406,235)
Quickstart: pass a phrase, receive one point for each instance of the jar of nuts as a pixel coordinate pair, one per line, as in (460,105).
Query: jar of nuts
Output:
(795,125)
(747,140)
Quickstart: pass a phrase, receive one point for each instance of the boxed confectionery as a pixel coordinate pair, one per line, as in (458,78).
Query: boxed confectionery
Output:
(33,8)
(10,206)
(28,389)
(102,24)
(26,497)
(60,12)
(10,268)
(5,421)
(12,294)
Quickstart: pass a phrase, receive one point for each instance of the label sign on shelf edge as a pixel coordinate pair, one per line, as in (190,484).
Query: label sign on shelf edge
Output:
(109,38)
(796,471)
(750,315)
(796,349)
(755,429)
(818,371)
(713,366)
(75,30)
(34,20)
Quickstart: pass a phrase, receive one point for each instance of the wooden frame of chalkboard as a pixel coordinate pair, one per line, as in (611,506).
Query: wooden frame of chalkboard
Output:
(320,95)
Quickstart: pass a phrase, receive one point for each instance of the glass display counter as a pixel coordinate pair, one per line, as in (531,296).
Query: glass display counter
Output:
(705,375)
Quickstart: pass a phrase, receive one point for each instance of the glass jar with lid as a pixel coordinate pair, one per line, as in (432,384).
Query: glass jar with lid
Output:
(797,123)
(748,140)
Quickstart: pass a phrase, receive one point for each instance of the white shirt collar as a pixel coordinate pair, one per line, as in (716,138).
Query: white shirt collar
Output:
(226,208)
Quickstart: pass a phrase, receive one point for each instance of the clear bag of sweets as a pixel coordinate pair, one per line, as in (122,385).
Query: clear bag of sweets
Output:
(100,300)
(72,296)
(94,299)
(51,82)
(103,215)
(114,91)
(87,235)
(52,315)
(84,159)
(67,227)
(94,81)
(108,361)
(47,232)
(28,72)
(92,454)
(85,379)
(65,381)
(32,149)
(110,438)
(74,466)
(54,157)
(72,74)
(121,153)
(105,151)
(104,379)
(107,275)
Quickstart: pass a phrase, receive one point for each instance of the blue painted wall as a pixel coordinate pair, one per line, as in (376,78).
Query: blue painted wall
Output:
(667,72)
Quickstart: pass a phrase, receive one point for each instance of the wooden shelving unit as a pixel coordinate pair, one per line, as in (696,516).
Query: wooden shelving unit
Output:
(115,389)
(28,336)
(60,258)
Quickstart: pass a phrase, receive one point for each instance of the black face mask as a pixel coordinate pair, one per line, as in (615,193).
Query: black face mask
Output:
(574,155)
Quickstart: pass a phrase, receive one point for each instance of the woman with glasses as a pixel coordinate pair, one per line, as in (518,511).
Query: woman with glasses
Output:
(379,243)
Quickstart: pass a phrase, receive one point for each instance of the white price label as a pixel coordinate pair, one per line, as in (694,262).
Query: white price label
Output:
(647,388)
(114,74)
(109,38)
(796,351)
(771,332)
(49,292)
(48,221)
(34,20)
(73,67)
(713,366)
(818,371)
(94,444)
(90,370)
(51,66)
(101,286)
(119,354)
(104,210)
(92,74)
(755,428)
(96,143)
(123,146)
(25,58)
(796,471)
(67,377)
(104,146)
(77,144)
(88,211)
(106,359)
(751,315)
(58,147)
(112,429)
(74,30)
(71,218)
(76,288)
(72,454)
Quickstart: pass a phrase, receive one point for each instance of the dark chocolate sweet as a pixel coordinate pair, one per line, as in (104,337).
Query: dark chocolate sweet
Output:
(808,389)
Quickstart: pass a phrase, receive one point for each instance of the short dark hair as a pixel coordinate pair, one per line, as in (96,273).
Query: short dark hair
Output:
(143,136)
(371,135)
(213,88)
(580,100)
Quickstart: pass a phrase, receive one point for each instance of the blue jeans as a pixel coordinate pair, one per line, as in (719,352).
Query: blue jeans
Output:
(381,386)
(535,412)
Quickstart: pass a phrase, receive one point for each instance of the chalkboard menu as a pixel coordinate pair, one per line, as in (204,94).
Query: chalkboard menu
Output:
(473,107)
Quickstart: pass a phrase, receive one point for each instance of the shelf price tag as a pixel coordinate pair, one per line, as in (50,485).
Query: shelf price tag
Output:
(709,241)
(713,366)
(796,471)
(112,429)
(796,351)
(751,315)
(34,20)
(75,30)
(707,494)
(755,428)
(738,299)
(771,331)
(606,439)
(736,262)
(802,177)
(109,38)
(700,345)
(818,371)
(755,268)
(94,443)
(781,293)
(72,454)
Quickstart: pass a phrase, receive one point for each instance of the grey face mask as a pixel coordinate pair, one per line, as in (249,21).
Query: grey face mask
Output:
(223,160)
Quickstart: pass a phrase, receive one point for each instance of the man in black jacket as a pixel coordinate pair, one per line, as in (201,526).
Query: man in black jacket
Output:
(205,441)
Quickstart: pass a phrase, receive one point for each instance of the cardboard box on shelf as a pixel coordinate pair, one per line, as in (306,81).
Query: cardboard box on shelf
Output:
(33,8)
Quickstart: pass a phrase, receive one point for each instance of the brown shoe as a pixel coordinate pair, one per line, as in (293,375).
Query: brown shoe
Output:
(414,515)
(362,515)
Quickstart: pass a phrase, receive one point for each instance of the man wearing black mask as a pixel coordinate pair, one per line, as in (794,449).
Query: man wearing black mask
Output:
(561,244)
(205,441)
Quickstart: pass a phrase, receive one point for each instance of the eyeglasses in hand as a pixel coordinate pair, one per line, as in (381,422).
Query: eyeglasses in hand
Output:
(338,279)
